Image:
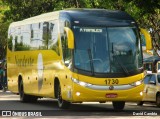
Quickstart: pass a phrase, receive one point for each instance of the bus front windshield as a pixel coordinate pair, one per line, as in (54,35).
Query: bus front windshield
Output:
(107,50)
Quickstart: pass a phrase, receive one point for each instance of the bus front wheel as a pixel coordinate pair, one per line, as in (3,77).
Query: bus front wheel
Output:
(140,103)
(62,103)
(118,105)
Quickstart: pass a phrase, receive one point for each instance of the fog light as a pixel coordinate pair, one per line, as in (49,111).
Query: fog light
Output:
(78,93)
(141,93)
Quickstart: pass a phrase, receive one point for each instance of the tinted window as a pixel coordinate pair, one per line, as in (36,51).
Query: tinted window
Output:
(64,41)
(36,36)
(153,78)
(17,41)
(158,78)
(107,50)
(147,78)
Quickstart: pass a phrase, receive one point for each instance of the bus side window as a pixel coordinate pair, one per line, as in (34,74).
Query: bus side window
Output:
(31,31)
(66,50)
(46,34)
(10,39)
(53,36)
(10,44)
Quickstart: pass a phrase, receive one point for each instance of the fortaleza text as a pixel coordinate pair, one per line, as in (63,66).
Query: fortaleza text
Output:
(145,113)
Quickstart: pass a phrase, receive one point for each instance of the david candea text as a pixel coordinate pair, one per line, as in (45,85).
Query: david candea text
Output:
(145,113)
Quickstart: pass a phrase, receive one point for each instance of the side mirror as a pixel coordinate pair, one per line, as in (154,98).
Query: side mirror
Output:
(147,38)
(70,37)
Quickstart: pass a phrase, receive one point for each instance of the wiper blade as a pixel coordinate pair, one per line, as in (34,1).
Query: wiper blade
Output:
(119,62)
(122,66)
(91,61)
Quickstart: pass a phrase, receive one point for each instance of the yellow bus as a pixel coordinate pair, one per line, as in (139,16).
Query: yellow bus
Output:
(76,55)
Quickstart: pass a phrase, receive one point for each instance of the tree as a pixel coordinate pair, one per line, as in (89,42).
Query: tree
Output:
(21,9)
(3,37)
(149,11)
(145,12)
(3,30)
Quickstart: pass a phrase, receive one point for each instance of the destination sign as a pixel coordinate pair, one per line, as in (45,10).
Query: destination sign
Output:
(90,30)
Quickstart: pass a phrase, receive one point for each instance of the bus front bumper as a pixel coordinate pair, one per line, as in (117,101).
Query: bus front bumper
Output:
(84,94)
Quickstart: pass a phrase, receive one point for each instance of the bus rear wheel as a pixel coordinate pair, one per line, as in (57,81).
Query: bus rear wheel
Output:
(62,103)
(24,97)
(118,105)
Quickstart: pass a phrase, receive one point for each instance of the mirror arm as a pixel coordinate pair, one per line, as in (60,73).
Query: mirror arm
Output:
(70,37)
(147,38)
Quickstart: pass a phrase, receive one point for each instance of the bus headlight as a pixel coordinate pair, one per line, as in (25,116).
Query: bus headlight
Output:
(137,83)
(81,82)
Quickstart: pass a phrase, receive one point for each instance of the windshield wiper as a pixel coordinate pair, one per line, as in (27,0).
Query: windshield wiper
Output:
(119,62)
(91,61)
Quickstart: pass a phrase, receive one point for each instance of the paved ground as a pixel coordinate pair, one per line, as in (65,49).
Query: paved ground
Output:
(49,108)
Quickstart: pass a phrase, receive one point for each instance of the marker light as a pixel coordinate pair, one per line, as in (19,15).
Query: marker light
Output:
(84,84)
(137,83)
(141,93)
(78,93)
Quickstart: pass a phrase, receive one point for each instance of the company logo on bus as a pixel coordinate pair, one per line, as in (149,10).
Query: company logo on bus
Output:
(111,87)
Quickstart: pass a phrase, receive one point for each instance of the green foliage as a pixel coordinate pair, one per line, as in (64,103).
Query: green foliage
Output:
(3,37)
(21,9)
(145,12)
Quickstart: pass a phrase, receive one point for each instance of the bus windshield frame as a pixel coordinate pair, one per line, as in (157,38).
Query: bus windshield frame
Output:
(107,50)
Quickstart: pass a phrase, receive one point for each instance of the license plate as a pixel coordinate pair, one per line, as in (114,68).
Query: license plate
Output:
(111,95)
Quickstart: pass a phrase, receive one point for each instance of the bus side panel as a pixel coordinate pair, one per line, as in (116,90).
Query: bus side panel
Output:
(37,69)
(12,72)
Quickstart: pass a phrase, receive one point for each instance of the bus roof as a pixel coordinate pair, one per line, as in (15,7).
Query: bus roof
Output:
(40,18)
(110,14)
(82,15)
(99,17)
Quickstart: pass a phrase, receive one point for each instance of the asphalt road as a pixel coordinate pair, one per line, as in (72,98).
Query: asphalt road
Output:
(48,108)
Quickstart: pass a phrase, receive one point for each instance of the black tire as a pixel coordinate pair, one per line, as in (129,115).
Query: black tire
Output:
(118,105)
(24,97)
(32,98)
(140,103)
(158,100)
(62,103)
